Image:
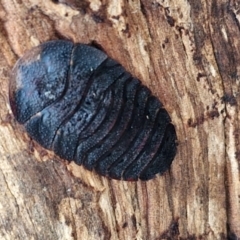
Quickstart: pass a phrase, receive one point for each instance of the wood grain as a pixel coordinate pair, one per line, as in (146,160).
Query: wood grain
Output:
(187,53)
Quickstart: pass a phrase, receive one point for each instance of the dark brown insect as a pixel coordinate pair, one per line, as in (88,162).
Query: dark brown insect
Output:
(83,105)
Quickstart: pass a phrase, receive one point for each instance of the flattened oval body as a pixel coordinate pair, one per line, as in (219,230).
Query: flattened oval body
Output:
(75,100)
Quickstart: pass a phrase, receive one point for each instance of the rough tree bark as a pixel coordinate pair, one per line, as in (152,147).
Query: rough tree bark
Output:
(188,53)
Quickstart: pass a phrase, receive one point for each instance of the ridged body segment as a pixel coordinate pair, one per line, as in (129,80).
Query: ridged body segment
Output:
(84,106)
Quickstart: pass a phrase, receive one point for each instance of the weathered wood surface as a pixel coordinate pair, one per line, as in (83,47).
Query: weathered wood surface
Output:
(188,54)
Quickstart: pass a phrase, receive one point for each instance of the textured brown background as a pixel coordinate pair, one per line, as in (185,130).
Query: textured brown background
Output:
(187,53)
